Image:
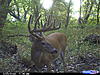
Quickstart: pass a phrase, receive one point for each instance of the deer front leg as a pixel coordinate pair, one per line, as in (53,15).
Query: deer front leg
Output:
(50,68)
(63,60)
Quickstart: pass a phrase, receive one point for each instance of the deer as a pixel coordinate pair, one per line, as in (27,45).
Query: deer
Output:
(45,49)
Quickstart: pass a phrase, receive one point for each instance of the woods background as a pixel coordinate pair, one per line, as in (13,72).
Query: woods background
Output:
(14,16)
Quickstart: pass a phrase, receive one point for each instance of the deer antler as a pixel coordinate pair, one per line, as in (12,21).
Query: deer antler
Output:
(29,29)
(48,25)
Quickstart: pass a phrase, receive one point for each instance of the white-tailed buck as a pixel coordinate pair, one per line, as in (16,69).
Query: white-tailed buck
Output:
(45,49)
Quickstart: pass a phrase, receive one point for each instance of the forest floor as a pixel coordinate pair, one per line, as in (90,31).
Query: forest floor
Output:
(80,57)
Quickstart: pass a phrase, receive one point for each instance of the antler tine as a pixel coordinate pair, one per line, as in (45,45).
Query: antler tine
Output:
(48,21)
(41,23)
(31,31)
(51,27)
(37,20)
(49,24)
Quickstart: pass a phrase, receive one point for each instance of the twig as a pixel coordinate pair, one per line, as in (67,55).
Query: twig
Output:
(18,35)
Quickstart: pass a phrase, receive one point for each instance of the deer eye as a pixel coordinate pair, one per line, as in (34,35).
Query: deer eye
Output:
(43,43)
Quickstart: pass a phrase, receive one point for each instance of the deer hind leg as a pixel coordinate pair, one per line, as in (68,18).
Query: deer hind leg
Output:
(34,69)
(63,60)
(55,65)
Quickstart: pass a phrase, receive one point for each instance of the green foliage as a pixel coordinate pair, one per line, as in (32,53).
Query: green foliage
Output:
(15,28)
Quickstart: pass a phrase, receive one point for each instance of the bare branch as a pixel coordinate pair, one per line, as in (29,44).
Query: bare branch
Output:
(18,35)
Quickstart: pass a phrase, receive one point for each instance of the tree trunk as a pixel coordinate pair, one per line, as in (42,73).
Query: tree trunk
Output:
(80,20)
(3,13)
(88,13)
(67,16)
(98,8)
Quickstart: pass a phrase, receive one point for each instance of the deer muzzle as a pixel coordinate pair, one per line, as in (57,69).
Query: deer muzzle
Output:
(54,51)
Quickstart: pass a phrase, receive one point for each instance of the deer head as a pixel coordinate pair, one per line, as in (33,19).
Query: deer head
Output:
(38,40)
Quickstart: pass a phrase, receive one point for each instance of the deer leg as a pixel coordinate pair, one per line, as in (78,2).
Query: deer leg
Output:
(50,67)
(63,60)
(34,68)
(44,69)
(57,63)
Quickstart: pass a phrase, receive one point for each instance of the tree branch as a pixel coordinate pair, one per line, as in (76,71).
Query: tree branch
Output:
(18,35)
(14,15)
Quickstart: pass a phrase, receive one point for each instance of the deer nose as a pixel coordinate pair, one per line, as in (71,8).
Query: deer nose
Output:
(54,50)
